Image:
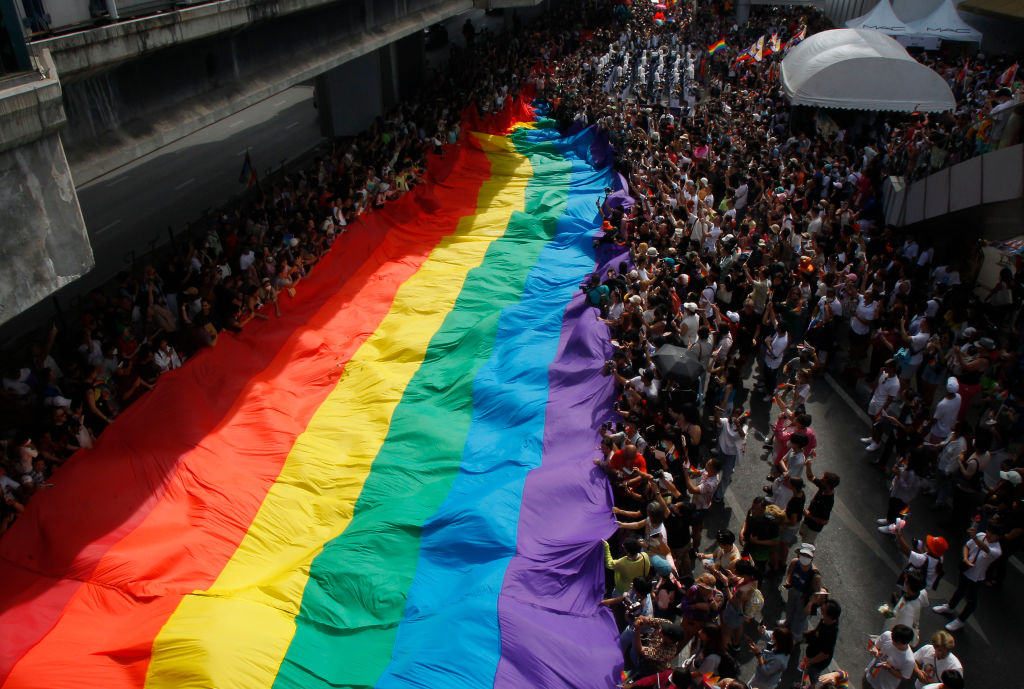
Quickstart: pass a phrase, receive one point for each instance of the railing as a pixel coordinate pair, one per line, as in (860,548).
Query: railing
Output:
(46,18)
(990,178)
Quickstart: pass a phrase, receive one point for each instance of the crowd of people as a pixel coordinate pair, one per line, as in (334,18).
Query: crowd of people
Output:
(984,120)
(759,261)
(755,262)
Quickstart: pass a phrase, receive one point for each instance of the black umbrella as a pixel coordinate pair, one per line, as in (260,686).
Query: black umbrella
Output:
(678,362)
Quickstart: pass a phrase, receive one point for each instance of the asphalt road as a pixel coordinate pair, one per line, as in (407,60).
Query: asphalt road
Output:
(860,565)
(127,211)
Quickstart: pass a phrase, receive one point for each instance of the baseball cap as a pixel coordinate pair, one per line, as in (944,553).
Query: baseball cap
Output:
(952,384)
(805,549)
(1012,477)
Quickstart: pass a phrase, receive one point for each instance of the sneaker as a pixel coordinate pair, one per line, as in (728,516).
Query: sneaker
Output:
(888,529)
(942,609)
(867,440)
(882,521)
(955,625)
(873,447)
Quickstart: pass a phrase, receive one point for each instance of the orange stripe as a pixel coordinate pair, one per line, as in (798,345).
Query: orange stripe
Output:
(106,631)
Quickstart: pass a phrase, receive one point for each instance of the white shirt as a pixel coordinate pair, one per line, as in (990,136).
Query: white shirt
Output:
(648,391)
(690,321)
(887,388)
(655,536)
(932,667)
(166,360)
(908,612)
(949,453)
(246,260)
(901,660)
(777,346)
(867,313)
(945,415)
(730,439)
(917,346)
(980,558)
(926,563)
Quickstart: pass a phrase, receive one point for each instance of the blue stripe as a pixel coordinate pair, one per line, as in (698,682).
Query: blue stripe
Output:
(449,635)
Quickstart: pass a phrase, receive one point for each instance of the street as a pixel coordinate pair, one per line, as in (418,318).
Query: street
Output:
(860,565)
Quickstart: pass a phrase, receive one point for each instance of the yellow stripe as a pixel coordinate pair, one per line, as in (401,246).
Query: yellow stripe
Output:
(236,633)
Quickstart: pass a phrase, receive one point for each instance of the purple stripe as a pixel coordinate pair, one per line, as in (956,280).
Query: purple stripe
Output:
(553,632)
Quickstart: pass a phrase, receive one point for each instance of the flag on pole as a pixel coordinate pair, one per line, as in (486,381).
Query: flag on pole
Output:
(796,38)
(749,54)
(962,74)
(774,45)
(715,47)
(1007,77)
(758,47)
(248,176)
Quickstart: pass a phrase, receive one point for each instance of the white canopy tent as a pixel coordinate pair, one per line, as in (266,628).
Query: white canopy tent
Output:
(859,69)
(881,18)
(945,23)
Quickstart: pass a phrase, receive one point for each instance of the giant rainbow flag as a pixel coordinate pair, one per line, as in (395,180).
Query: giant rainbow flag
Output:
(390,486)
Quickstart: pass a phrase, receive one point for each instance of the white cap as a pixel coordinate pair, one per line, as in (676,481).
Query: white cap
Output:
(952,385)
(1013,477)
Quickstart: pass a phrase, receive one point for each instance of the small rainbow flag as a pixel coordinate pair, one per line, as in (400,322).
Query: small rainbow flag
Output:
(905,511)
(715,47)
(248,175)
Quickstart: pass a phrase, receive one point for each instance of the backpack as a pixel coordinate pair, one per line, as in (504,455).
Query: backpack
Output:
(727,666)
(753,607)
(902,357)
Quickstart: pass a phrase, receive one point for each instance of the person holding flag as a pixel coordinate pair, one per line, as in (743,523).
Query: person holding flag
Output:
(962,74)
(1007,77)
(248,175)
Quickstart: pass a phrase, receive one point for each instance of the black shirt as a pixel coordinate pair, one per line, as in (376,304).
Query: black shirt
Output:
(820,507)
(822,639)
(678,526)
(795,506)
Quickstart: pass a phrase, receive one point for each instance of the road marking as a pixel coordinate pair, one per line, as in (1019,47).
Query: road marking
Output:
(237,123)
(293,124)
(117,181)
(845,396)
(849,521)
(279,103)
(185,184)
(109,227)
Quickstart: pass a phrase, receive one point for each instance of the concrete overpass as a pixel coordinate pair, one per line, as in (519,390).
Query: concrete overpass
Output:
(92,99)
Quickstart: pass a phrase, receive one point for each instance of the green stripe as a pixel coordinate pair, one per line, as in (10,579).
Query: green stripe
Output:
(355,597)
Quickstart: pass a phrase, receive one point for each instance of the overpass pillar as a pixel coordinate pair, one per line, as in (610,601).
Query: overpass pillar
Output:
(44,241)
(350,96)
(742,12)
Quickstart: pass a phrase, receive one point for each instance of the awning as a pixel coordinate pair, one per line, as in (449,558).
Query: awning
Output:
(859,69)
(996,8)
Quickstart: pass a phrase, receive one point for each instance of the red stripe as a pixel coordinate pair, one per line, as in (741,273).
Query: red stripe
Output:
(99,563)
